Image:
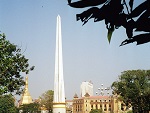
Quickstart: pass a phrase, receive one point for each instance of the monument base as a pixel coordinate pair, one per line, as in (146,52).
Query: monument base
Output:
(59,107)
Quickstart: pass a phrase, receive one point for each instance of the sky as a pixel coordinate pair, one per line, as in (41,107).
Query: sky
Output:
(87,55)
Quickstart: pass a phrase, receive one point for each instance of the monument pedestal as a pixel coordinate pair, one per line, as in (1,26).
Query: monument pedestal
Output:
(59,107)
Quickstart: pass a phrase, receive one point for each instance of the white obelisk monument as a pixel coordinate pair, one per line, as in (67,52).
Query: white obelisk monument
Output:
(59,105)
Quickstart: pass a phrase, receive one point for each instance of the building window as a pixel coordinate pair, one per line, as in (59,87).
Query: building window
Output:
(96,106)
(109,107)
(100,105)
(95,100)
(122,107)
(80,107)
(105,107)
(92,106)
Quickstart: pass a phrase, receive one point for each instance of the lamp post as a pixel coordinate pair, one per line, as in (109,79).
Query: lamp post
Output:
(102,91)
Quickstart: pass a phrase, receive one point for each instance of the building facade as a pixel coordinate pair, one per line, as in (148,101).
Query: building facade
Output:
(86,87)
(108,104)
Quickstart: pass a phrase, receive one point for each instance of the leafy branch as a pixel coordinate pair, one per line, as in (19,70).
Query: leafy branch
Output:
(116,13)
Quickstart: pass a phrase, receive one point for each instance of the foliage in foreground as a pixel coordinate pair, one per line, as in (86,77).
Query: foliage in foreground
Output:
(133,87)
(7,104)
(118,13)
(29,108)
(46,100)
(96,111)
(130,111)
(12,64)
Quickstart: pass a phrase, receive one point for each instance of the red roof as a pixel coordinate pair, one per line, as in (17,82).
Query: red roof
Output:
(69,101)
(96,97)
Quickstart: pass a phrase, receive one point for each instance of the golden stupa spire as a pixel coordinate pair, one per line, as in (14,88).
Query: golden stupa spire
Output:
(26,97)
(26,83)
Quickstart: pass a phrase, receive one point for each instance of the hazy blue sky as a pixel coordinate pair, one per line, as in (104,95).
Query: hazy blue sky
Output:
(87,55)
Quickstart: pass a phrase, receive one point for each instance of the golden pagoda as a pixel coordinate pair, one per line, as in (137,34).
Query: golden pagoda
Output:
(26,97)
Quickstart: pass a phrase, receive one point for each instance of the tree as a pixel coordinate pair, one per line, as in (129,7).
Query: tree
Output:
(46,99)
(96,111)
(7,104)
(130,111)
(118,13)
(133,87)
(12,64)
(30,108)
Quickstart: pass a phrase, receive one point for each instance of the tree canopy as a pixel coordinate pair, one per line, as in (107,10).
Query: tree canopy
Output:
(133,87)
(117,13)
(7,104)
(30,108)
(12,64)
(96,111)
(46,100)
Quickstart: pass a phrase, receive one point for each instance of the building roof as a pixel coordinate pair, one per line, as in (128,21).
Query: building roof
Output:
(69,100)
(96,97)
(87,95)
(75,96)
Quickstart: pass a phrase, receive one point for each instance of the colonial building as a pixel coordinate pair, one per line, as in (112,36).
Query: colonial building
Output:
(108,104)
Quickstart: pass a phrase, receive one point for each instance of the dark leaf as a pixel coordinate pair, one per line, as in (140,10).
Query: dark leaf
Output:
(143,22)
(143,38)
(93,12)
(32,68)
(85,3)
(139,9)
(120,20)
(144,27)
(102,13)
(131,4)
(129,28)
(69,1)
(140,39)
(111,12)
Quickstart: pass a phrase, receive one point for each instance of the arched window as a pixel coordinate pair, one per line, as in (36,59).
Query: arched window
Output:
(91,106)
(109,107)
(96,106)
(122,107)
(105,108)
